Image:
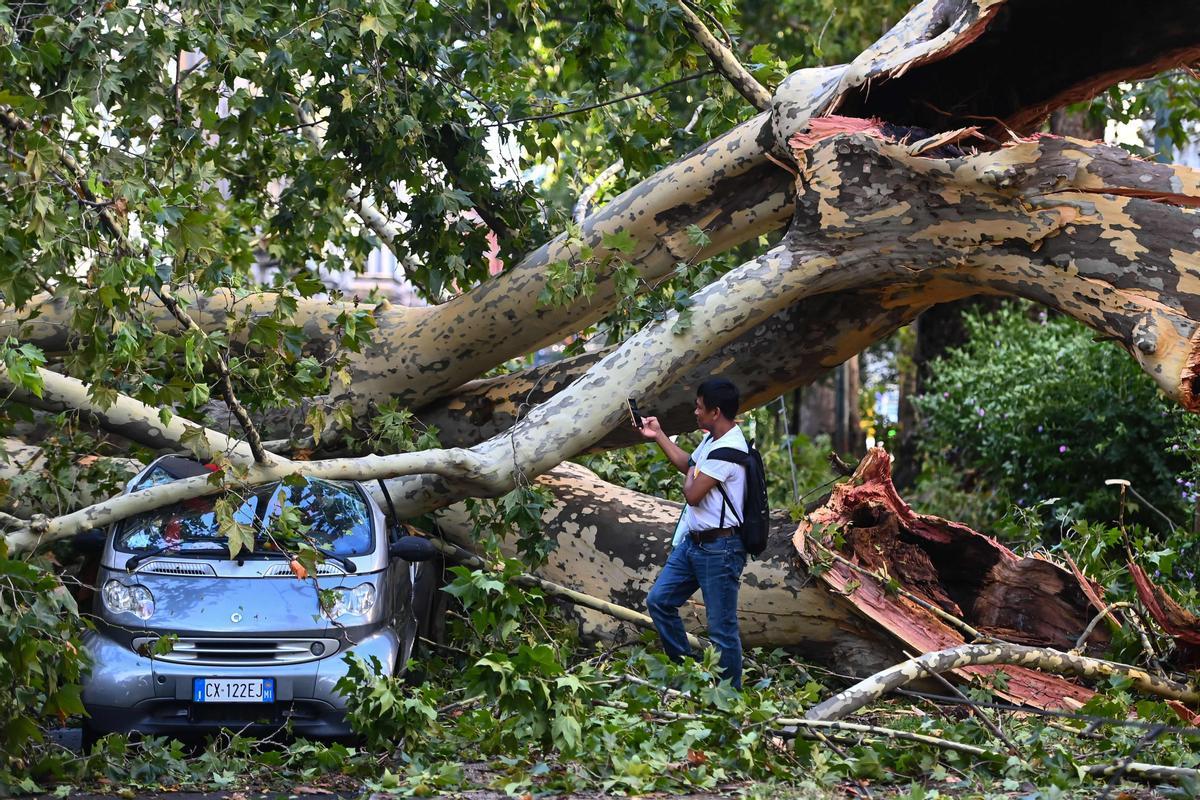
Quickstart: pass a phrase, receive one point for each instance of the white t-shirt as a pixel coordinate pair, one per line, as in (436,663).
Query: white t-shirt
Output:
(707,514)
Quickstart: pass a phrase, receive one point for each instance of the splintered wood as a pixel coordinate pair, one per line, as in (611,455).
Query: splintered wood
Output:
(896,567)
(1182,625)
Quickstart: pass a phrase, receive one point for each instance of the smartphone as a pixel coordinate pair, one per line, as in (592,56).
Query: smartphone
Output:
(634,414)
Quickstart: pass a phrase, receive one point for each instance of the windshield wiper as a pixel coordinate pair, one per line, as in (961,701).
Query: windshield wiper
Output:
(345,563)
(216,547)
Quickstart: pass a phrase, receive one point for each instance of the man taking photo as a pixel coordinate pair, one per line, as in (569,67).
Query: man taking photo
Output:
(707,553)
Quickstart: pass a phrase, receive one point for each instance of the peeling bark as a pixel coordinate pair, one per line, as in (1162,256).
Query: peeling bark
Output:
(1180,624)
(611,543)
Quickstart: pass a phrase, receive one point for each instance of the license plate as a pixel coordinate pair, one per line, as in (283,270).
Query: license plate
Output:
(233,690)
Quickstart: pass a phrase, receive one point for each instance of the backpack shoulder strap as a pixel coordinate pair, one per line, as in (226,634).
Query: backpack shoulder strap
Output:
(725,498)
(730,454)
(733,456)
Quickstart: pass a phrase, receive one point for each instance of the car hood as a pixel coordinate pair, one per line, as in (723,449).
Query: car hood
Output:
(211,606)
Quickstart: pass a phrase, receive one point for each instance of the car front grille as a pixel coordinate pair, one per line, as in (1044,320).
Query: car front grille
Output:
(284,570)
(236,652)
(180,568)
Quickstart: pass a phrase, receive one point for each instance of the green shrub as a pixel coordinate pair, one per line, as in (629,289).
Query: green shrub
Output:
(1032,409)
(41,662)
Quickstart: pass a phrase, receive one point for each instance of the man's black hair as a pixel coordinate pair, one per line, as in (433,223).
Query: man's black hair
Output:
(720,393)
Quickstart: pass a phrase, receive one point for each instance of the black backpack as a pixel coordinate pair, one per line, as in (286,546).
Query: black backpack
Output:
(754,528)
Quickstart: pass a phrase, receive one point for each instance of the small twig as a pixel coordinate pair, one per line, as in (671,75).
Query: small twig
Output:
(446,709)
(1096,620)
(444,646)
(791,726)
(580,212)
(603,103)
(1086,732)
(1154,508)
(1147,645)
(589,193)
(1140,624)
(1118,769)
(713,19)
(979,713)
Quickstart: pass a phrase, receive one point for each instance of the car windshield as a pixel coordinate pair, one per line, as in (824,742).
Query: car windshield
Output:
(333,515)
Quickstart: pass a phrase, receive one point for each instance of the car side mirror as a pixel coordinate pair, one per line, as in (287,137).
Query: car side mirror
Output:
(412,548)
(91,542)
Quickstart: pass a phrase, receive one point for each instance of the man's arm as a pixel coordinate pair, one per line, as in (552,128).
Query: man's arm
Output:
(677,455)
(696,485)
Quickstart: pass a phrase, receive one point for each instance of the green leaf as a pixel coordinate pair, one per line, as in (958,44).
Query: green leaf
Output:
(620,241)
(373,24)
(192,232)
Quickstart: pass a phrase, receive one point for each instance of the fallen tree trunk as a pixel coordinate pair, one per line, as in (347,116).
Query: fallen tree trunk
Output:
(1051,219)
(935,70)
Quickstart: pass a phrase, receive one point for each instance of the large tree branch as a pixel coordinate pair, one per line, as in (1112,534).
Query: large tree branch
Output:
(792,348)
(131,418)
(1037,219)
(47,318)
(935,69)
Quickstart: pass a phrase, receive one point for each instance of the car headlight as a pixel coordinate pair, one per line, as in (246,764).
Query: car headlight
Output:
(135,599)
(357,601)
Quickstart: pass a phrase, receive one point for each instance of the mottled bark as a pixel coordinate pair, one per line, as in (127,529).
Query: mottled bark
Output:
(792,348)
(1085,228)
(46,319)
(1081,227)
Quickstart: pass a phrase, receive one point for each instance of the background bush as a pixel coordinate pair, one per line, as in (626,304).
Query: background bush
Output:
(1031,409)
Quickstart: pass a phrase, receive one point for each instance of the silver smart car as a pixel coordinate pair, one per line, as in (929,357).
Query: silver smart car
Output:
(255,648)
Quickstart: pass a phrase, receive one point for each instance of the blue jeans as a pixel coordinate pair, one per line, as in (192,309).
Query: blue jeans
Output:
(716,570)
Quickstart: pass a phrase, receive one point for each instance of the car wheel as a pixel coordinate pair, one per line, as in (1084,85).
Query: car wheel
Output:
(88,737)
(429,602)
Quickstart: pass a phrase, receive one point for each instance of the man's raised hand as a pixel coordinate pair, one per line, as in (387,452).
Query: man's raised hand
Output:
(650,428)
